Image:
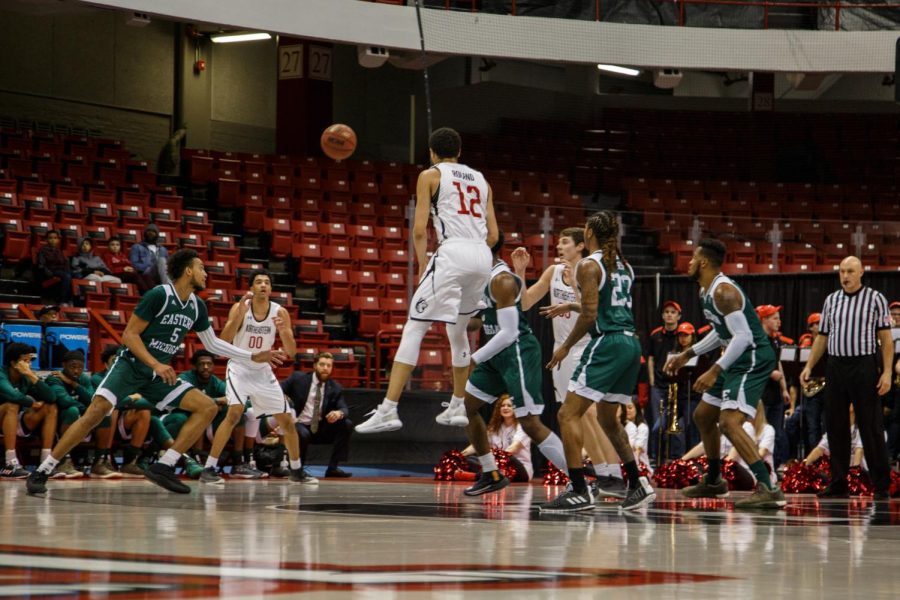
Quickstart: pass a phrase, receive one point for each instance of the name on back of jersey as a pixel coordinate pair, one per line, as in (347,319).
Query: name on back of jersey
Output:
(461,175)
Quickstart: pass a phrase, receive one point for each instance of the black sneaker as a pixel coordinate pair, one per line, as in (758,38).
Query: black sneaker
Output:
(37,483)
(834,492)
(164,476)
(610,487)
(569,501)
(491,481)
(279,472)
(642,495)
(211,476)
(301,475)
(13,471)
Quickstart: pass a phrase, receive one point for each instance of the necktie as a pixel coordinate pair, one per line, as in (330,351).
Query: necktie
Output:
(314,423)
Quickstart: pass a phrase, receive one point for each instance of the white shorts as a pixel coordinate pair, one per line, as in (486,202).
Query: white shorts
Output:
(259,386)
(562,374)
(453,283)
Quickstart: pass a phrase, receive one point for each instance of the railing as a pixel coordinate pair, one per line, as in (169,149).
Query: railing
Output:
(837,6)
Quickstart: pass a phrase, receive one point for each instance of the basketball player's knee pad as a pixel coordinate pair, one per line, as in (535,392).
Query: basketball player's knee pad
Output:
(413,334)
(458,336)
(251,424)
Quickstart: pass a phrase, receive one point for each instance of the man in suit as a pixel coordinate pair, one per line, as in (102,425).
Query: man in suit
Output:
(321,412)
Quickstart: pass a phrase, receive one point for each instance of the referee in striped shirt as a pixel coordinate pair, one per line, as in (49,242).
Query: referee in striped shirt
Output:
(854,320)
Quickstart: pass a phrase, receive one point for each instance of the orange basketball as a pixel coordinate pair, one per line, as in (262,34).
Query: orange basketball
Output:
(338,141)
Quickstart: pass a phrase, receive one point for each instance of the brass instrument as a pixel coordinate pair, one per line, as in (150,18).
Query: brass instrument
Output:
(813,386)
(674,424)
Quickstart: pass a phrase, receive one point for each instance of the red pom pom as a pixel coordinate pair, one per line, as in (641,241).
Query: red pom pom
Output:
(505,465)
(895,484)
(679,473)
(803,479)
(447,467)
(553,476)
(858,482)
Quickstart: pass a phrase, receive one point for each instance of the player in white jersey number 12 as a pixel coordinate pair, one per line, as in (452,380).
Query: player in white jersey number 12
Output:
(451,284)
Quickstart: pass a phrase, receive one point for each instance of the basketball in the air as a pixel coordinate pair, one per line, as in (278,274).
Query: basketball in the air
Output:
(338,141)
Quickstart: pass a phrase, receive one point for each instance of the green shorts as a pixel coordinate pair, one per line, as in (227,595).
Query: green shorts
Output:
(517,371)
(609,368)
(741,386)
(128,376)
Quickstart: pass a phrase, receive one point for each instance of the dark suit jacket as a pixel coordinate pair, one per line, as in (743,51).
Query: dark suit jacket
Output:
(296,387)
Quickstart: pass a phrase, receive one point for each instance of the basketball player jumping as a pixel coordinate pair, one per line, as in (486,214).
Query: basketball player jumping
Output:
(452,283)
(159,324)
(253,323)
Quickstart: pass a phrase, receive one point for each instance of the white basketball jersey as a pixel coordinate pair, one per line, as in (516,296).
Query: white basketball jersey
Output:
(459,208)
(257,336)
(561,293)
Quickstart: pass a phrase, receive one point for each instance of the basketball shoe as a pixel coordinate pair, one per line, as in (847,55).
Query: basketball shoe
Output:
(380,420)
(454,415)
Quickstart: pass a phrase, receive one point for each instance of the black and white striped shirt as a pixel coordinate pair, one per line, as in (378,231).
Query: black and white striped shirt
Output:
(851,321)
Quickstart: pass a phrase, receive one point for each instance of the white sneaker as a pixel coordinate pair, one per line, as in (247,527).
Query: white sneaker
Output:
(380,421)
(454,415)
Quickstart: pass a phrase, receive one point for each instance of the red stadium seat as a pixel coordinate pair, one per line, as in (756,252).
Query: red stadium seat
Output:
(338,282)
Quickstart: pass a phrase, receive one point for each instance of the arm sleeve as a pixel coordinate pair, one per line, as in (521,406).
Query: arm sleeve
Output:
(60,394)
(85,390)
(339,400)
(508,319)
(741,340)
(707,344)
(642,436)
(8,392)
(825,320)
(216,346)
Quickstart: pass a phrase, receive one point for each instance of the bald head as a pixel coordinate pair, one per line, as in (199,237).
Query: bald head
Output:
(851,272)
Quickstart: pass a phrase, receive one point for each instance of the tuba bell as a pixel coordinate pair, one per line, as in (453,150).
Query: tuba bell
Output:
(674,425)
(813,386)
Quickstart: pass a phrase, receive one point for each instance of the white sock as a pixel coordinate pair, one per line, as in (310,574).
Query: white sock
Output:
(45,452)
(48,464)
(211,462)
(11,457)
(612,471)
(170,458)
(295,464)
(487,462)
(552,448)
(600,469)
(388,405)
(456,401)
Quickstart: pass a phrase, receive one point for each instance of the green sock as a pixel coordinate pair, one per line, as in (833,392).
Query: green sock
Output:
(762,473)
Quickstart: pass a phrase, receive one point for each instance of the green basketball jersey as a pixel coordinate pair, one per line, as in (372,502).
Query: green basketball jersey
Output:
(490,327)
(614,303)
(170,320)
(717,319)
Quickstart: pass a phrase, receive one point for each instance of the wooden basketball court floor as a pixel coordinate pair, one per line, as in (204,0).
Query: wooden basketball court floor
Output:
(415,538)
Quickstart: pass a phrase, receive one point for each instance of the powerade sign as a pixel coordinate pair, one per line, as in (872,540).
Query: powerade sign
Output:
(23,333)
(63,338)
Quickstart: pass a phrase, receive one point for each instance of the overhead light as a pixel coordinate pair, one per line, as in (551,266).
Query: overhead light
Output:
(619,70)
(240,36)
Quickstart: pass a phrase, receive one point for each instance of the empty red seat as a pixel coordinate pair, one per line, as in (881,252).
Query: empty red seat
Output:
(338,282)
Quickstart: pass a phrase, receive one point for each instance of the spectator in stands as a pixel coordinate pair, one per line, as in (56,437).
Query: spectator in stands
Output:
(120,266)
(776,397)
(505,433)
(662,343)
(73,391)
(48,314)
(52,263)
(148,257)
(321,412)
(895,313)
(87,265)
(807,424)
(638,433)
(21,390)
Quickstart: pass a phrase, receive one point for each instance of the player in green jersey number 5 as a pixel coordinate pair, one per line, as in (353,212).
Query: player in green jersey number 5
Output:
(153,335)
(733,386)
